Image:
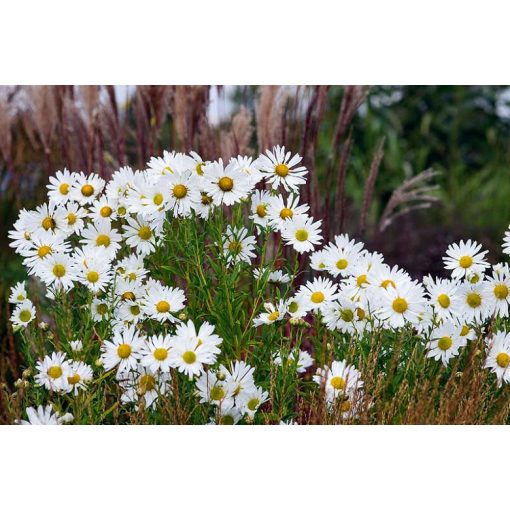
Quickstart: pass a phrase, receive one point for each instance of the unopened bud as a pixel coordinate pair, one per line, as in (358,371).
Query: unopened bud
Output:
(18,383)
(68,418)
(44,326)
(183,316)
(99,362)
(26,373)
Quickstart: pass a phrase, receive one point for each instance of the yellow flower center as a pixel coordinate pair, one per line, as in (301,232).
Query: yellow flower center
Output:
(235,247)
(347,315)
(43,251)
(261,210)
(226,183)
(317,297)
(360,313)
(59,270)
(199,168)
(361,280)
(103,240)
(147,383)
(385,284)
(145,233)
(64,188)
(443,300)
(501,291)
(286,213)
(124,351)
(345,406)
(338,382)
(158,199)
(55,371)
(102,309)
(93,276)
(253,404)
(87,190)
(399,305)
(444,343)
(205,199)
(180,191)
(342,264)
(227,420)
(281,170)
(217,393)
(189,357)
(293,307)
(464,331)
(105,211)
(122,210)
(71,218)
(74,379)
(128,296)
(134,309)
(48,223)
(25,316)
(474,300)
(301,235)
(160,354)
(503,359)
(465,261)
(273,316)
(163,307)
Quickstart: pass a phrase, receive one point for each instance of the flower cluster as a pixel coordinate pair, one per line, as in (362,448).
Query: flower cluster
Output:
(106,244)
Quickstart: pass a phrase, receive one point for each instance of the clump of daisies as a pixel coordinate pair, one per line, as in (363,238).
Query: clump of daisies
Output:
(196,291)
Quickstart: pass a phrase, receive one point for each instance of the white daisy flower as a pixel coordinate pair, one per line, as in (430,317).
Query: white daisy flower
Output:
(74,217)
(339,380)
(141,235)
(272,314)
(42,245)
(445,342)
(45,416)
(155,353)
(318,260)
(124,350)
(52,372)
(259,208)
(475,305)
(99,309)
(192,349)
(317,293)
(76,345)
(97,276)
(406,303)
(298,306)
(497,292)
(277,276)
(213,391)
(250,401)
(205,205)
(59,189)
(342,255)
(46,218)
(248,167)
(57,270)
(444,297)
(144,384)
(225,185)
(103,207)
(86,188)
(183,192)
(279,210)
(100,234)
(162,302)
(240,376)
(498,357)
(302,233)
(506,242)
(465,257)
(23,314)
(18,293)
(238,246)
(303,362)
(280,168)
(344,315)
(78,376)
(227,413)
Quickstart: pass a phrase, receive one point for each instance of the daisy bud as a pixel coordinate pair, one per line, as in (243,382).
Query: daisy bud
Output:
(268,307)
(99,362)
(26,373)
(329,346)
(220,375)
(43,326)
(50,335)
(294,321)
(183,316)
(68,418)
(478,352)
(18,383)
(458,375)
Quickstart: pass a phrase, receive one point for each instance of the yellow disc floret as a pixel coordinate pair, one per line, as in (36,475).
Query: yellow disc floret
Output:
(399,305)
